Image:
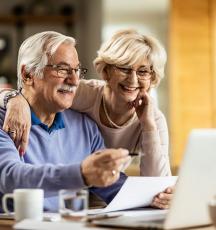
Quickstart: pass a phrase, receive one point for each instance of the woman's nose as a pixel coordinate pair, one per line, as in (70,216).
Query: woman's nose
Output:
(133,77)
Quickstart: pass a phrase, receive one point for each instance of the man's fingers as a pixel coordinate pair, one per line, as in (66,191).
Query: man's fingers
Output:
(112,177)
(110,155)
(117,164)
(103,168)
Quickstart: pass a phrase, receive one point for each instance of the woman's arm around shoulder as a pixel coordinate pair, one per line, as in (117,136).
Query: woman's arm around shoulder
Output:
(86,94)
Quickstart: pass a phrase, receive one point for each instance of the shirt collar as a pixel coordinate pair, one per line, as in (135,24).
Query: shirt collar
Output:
(58,122)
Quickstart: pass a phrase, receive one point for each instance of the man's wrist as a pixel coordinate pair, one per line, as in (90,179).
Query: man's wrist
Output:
(83,175)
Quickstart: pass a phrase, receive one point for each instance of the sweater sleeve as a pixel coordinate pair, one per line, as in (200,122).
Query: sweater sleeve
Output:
(109,192)
(17,174)
(154,150)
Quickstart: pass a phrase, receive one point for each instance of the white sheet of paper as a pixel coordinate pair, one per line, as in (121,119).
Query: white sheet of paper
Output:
(138,192)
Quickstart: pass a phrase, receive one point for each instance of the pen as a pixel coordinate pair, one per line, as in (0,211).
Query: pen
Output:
(133,154)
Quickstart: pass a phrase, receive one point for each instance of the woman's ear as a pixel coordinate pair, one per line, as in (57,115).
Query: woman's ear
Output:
(152,82)
(106,73)
(26,77)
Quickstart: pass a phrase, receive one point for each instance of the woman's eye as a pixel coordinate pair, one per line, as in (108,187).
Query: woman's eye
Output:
(142,72)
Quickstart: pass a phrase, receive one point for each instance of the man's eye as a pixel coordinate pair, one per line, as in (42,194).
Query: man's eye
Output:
(63,71)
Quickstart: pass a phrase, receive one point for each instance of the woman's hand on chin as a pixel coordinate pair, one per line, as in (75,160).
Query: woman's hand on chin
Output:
(145,111)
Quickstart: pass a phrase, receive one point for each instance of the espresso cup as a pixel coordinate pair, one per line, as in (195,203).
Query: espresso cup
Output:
(28,203)
(73,202)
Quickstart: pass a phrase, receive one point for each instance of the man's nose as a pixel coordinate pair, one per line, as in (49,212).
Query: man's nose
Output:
(73,78)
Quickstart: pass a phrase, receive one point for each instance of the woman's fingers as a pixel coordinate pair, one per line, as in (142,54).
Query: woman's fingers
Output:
(15,130)
(160,205)
(169,190)
(163,199)
(24,141)
(141,100)
(17,122)
(18,133)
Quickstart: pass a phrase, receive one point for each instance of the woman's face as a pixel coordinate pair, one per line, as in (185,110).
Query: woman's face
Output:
(126,82)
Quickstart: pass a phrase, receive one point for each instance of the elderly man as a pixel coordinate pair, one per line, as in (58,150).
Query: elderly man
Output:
(61,140)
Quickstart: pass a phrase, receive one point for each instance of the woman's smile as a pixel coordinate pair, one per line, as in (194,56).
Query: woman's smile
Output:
(129,89)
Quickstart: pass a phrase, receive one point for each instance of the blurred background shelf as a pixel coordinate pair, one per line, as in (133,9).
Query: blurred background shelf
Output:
(37,19)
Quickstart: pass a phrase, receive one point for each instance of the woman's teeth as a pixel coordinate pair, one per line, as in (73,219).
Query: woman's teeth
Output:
(129,88)
(63,91)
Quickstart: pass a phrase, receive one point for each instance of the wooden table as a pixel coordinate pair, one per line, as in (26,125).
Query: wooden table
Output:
(8,225)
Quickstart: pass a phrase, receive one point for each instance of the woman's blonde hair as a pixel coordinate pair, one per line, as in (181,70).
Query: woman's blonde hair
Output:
(127,47)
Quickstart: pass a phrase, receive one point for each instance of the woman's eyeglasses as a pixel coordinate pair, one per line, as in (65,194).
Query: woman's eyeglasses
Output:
(144,73)
(64,71)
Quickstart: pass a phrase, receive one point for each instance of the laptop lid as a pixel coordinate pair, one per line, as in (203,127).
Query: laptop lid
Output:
(196,183)
(195,187)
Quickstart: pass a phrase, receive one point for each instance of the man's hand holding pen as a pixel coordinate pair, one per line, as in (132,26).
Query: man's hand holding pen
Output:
(103,168)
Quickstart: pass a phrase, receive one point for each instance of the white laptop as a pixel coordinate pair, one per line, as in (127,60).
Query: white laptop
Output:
(195,188)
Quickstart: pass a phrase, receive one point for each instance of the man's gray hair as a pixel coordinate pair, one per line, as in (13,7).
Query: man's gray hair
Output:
(35,50)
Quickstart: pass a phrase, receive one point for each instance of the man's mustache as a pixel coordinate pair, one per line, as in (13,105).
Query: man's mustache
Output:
(69,88)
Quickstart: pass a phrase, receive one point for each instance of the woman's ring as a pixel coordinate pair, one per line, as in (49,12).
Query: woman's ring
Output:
(12,132)
(113,172)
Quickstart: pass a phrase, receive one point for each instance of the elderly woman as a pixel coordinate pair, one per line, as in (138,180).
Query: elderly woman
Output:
(130,64)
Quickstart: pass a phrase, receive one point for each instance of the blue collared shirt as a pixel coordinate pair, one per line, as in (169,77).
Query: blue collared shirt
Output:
(58,122)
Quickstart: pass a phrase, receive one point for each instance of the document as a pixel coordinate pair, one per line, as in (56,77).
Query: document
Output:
(137,192)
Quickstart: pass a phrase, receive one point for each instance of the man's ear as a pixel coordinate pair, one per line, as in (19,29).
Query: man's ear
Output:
(26,77)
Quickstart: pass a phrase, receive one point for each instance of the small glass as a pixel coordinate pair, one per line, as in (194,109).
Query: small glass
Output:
(73,203)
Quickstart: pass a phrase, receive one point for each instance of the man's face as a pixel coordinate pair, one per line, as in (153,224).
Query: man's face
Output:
(54,92)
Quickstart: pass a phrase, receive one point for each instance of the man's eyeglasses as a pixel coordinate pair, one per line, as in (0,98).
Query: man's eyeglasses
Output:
(144,73)
(64,71)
